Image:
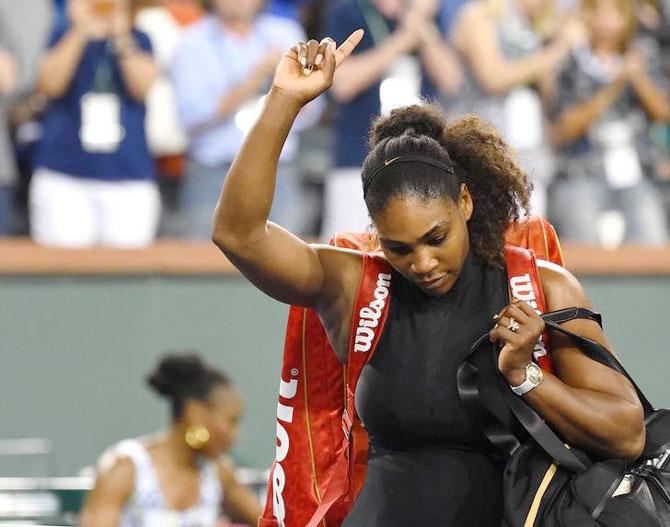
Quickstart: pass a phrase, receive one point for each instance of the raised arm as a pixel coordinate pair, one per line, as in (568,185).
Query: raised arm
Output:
(8,72)
(239,501)
(138,68)
(576,120)
(587,403)
(440,61)
(653,98)
(276,261)
(61,61)
(474,35)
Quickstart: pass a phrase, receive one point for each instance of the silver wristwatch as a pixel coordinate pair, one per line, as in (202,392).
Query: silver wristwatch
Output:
(534,377)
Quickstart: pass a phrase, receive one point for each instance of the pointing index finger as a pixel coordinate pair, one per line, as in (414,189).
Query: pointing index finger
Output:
(348,46)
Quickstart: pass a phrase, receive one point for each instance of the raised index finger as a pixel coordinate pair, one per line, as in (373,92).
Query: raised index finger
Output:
(348,46)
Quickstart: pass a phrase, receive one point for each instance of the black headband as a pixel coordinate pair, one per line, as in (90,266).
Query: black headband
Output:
(406,159)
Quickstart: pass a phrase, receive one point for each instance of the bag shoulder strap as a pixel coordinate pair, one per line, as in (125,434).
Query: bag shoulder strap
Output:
(591,348)
(529,418)
(367,324)
(524,284)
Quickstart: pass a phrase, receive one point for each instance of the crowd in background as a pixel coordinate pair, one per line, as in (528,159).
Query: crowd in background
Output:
(120,118)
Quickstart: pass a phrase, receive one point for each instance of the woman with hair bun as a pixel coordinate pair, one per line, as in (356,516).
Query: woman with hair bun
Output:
(176,478)
(441,197)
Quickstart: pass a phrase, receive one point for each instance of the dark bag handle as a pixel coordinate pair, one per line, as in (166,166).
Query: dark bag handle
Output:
(591,348)
(492,425)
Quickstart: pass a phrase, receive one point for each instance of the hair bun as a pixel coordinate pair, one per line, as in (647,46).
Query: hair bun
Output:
(175,371)
(414,120)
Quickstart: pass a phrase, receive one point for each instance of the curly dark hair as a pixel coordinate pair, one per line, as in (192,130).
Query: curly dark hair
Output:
(181,377)
(474,153)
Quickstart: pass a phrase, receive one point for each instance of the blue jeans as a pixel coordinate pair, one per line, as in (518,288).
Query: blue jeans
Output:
(576,204)
(202,186)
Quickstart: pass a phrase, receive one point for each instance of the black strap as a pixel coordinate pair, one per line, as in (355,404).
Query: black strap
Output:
(529,419)
(486,418)
(591,348)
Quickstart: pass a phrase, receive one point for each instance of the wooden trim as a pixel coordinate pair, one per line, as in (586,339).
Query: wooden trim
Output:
(169,257)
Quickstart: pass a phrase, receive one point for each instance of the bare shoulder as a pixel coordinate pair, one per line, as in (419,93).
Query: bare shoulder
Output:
(472,14)
(114,484)
(561,288)
(472,19)
(116,472)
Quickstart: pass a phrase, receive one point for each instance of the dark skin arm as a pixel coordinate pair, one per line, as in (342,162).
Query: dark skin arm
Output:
(240,502)
(588,404)
(277,262)
(113,487)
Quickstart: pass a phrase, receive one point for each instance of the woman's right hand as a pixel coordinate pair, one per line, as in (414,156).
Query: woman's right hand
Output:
(307,69)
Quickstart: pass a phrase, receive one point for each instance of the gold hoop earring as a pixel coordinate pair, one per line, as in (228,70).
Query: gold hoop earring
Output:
(196,436)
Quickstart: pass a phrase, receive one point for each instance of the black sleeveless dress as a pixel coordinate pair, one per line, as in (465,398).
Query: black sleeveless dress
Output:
(428,465)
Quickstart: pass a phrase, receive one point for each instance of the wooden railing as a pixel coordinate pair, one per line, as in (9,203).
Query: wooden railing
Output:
(169,257)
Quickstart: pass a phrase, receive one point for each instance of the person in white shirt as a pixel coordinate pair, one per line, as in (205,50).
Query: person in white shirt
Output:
(176,478)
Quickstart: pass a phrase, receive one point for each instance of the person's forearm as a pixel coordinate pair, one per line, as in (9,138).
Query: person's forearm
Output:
(592,420)
(60,64)
(440,62)
(7,72)
(653,100)
(576,120)
(246,198)
(363,70)
(231,102)
(510,74)
(139,71)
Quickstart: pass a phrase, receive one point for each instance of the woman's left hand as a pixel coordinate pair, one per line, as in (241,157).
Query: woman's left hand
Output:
(517,330)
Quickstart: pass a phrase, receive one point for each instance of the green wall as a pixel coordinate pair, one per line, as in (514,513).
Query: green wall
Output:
(74,351)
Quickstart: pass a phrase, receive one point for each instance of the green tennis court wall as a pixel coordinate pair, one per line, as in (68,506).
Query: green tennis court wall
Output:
(74,352)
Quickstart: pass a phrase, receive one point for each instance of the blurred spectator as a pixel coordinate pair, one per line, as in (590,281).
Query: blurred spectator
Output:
(25,31)
(401,58)
(221,70)
(8,81)
(287,8)
(176,478)
(610,90)
(185,11)
(501,42)
(166,137)
(94,181)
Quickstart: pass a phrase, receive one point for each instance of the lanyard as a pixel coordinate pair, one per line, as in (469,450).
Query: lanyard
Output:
(377,24)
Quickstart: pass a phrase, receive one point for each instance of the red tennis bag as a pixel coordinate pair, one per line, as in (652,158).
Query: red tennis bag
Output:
(321,447)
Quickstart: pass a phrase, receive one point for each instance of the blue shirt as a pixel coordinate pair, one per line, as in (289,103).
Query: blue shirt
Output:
(353,118)
(208,63)
(60,148)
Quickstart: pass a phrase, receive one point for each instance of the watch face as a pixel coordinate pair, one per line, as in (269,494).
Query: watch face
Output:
(534,374)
